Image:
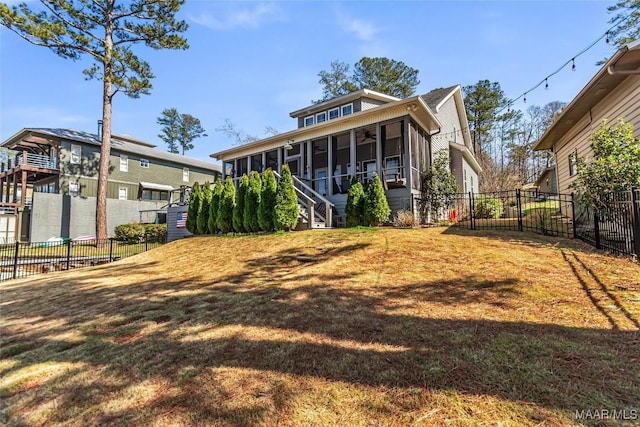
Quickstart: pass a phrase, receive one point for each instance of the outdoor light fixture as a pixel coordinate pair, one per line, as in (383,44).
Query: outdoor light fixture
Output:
(288,145)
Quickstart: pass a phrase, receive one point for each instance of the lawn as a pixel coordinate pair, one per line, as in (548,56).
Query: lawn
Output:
(388,327)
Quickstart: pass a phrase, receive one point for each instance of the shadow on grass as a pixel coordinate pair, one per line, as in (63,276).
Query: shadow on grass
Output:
(356,336)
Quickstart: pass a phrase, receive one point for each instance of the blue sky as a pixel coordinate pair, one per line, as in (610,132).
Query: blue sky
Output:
(254,62)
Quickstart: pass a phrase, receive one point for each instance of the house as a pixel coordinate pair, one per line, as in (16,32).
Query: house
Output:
(50,187)
(546,182)
(358,135)
(612,93)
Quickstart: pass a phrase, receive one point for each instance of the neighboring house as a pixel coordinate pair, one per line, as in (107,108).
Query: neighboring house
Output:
(61,168)
(612,93)
(361,134)
(546,182)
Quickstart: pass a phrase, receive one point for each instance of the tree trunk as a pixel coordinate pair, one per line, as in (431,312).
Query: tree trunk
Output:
(105,145)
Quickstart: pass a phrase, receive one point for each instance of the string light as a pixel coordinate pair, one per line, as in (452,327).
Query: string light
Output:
(571,61)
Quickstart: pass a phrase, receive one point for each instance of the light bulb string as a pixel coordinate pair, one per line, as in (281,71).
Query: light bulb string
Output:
(570,61)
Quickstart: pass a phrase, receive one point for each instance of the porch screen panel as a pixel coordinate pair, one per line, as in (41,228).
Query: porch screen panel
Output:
(241,166)
(341,163)
(393,153)
(256,162)
(365,154)
(320,163)
(272,160)
(416,155)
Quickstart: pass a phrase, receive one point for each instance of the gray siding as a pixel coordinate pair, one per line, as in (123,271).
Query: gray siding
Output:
(174,233)
(57,215)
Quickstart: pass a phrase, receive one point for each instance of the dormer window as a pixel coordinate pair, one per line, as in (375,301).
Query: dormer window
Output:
(308,121)
(347,109)
(321,117)
(334,113)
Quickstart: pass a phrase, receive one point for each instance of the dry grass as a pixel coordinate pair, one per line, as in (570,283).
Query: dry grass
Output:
(345,327)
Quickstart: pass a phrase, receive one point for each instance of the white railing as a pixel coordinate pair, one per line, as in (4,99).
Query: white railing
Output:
(38,160)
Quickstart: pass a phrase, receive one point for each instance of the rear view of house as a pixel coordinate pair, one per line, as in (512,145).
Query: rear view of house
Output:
(361,134)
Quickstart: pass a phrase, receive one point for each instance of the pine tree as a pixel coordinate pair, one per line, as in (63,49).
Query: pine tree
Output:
(286,212)
(376,206)
(238,209)
(252,202)
(225,210)
(355,204)
(213,207)
(267,200)
(192,211)
(202,221)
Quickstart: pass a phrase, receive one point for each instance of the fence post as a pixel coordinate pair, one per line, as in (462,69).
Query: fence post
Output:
(68,252)
(110,250)
(573,217)
(15,260)
(146,242)
(519,206)
(596,227)
(635,206)
(471,209)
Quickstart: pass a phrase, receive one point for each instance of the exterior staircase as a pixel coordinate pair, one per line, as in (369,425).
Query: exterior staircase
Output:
(315,210)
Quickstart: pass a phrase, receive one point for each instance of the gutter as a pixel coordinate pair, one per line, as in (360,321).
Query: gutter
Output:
(612,71)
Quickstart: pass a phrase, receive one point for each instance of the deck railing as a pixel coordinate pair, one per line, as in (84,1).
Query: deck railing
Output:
(37,160)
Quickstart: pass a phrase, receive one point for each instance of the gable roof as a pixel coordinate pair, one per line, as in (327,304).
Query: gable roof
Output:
(341,100)
(624,62)
(123,143)
(435,98)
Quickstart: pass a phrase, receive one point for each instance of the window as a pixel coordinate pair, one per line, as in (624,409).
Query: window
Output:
(334,113)
(185,174)
(392,168)
(74,189)
(308,121)
(573,163)
(347,109)
(124,163)
(122,193)
(144,163)
(76,154)
(321,117)
(154,195)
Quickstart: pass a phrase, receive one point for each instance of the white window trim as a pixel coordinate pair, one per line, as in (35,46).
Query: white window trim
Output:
(126,195)
(76,191)
(124,163)
(78,148)
(307,118)
(342,107)
(144,163)
(185,174)
(321,114)
(337,110)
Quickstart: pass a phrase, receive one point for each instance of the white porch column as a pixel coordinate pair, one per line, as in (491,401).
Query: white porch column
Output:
(279,159)
(248,165)
(309,168)
(264,162)
(379,159)
(329,166)
(407,152)
(352,153)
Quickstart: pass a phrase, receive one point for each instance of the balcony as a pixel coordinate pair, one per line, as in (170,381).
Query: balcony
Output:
(37,161)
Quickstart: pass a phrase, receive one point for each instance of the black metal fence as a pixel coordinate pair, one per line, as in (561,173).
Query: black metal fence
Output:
(517,210)
(615,226)
(28,259)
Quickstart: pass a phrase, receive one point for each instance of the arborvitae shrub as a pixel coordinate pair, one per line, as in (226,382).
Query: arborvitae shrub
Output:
(355,204)
(192,211)
(238,209)
(213,207)
(376,206)
(252,202)
(203,210)
(285,215)
(225,209)
(267,200)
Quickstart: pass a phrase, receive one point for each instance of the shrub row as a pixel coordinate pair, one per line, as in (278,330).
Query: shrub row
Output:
(260,203)
(370,208)
(135,233)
